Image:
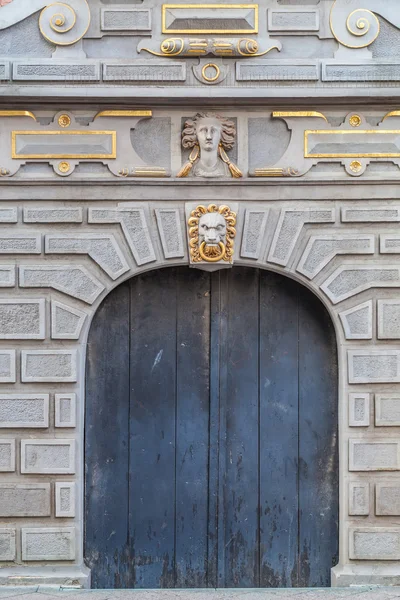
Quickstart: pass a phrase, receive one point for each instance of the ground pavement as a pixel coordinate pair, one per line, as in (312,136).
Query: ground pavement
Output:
(53,593)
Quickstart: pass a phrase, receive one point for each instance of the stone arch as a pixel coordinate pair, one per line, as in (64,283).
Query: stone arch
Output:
(322,247)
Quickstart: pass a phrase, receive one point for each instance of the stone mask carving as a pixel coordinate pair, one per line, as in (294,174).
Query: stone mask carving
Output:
(211,232)
(209,136)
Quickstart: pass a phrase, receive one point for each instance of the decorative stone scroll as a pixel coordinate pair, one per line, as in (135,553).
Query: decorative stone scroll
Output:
(354,144)
(354,23)
(65,143)
(60,23)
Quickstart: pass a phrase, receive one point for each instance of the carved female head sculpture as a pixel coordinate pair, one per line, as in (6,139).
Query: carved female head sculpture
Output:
(209,136)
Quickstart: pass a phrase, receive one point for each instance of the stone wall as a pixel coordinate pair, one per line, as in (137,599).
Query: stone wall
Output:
(90,196)
(64,247)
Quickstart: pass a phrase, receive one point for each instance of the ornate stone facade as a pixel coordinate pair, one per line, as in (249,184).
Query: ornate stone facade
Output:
(89,197)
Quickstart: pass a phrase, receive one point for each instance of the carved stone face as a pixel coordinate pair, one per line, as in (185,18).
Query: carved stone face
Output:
(212,229)
(208,131)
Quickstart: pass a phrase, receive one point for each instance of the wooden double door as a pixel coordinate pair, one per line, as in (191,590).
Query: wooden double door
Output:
(211,433)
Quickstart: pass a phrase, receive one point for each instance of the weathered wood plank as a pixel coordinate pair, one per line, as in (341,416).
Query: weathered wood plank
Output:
(152,429)
(107,443)
(279,430)
(318,460)
(192,427)
(239,504)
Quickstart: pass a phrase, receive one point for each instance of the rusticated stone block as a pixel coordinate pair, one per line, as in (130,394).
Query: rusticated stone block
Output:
(7,276)
(288,230)
(7,544)
(24,500)
(146,70)
(48,456)
(359,492)
(65,410)
(75,281)
(170,229)
(371,215)
(374,455)
(66,321)
(20,243)
(9,215)
(253,233)
(374,366)
(65,499)
(357,321)
(389,319)
(48,365)
(125,19)
(53,215)
(374,543)
(24,410)
(349,280)
(359,406)
(7,455)
(101,248)
(293,19)
(22,319)
(134,224)
(50,543)
(387,410)
(7,366)
(56,70)
(321,249)
(387,499)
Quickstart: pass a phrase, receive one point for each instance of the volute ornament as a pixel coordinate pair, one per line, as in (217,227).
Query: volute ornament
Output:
(209,137)
(212,233)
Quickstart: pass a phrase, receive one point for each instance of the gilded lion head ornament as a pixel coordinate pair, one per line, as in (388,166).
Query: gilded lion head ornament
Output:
(209,137)
(212,233)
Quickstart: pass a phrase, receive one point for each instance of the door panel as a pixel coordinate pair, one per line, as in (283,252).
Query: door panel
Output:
(211,433)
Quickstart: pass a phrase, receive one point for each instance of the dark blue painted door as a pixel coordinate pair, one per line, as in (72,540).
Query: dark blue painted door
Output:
(211,433)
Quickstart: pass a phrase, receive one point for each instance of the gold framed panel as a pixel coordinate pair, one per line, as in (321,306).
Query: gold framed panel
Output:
(81,155)
(198,7)
(344,154)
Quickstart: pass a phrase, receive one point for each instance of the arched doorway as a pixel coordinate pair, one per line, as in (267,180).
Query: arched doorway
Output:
(211,433)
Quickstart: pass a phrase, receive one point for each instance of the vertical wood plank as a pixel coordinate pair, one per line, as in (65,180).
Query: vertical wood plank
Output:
(192,429)
(318,460)
(217,408)
(152,429)
(278,430)
(239,505)
(107,441)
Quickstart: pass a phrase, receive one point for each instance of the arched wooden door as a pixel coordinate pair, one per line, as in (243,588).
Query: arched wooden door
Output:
(211,433)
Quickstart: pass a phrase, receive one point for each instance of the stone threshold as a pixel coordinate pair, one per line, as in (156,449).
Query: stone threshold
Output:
(47,592)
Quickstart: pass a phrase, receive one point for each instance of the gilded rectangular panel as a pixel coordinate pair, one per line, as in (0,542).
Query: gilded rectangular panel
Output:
(64,144)
(337,143)
(210,18)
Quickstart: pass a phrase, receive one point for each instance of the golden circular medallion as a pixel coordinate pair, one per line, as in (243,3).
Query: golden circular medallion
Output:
(64,166)
(216,258)
(355,166)
(355,120)
(216,74)
(64,121)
